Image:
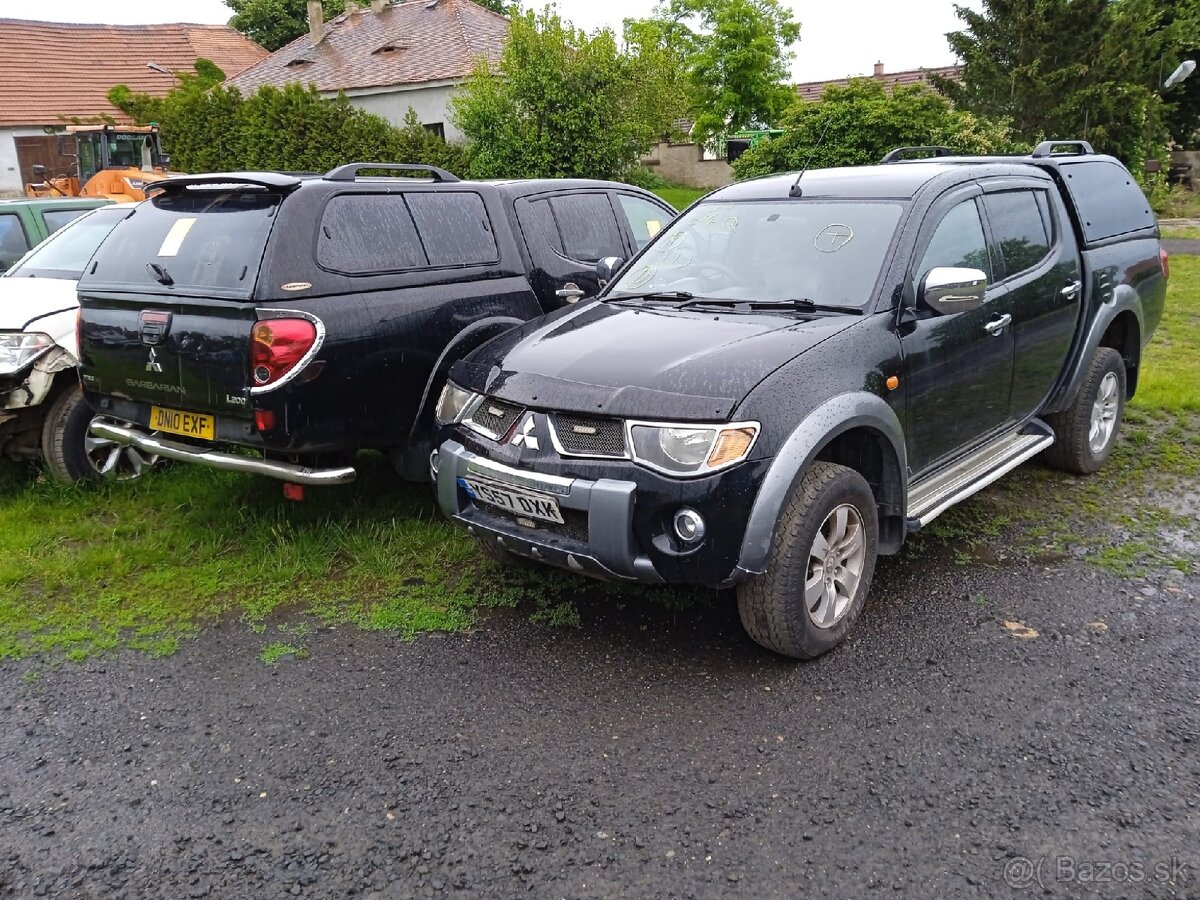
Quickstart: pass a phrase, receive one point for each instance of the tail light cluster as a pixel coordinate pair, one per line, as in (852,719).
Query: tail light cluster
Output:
(277,346)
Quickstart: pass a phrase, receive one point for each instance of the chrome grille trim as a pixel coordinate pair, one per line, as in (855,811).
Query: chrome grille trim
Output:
(609,441)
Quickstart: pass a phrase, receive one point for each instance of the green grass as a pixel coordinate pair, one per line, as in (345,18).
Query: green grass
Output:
(679,196)
(1182,204)
(148,565)
(1171,233)
(1170,374)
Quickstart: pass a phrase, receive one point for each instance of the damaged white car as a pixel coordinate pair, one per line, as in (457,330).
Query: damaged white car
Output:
(42,411)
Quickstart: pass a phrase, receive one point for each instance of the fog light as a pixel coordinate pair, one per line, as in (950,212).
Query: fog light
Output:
(689,526)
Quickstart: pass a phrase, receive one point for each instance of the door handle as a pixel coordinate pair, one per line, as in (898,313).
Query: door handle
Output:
(997,326)
(570,292)
(1071,291)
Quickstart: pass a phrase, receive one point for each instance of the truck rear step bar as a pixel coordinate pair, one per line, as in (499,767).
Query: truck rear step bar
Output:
(215,459)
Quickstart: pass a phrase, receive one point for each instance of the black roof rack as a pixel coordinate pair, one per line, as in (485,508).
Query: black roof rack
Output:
(1050,148)
(903,153)
(349,172)
(275,180)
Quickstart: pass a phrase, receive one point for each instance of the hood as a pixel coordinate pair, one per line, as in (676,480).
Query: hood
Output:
(25,299)
(645,361)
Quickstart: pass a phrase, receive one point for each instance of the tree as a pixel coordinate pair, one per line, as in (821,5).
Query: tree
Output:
(275,23)
(1088,69)
(735,56)
(860,122)
(561,103)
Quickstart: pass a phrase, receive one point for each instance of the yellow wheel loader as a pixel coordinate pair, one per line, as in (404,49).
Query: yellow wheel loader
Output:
(112,161)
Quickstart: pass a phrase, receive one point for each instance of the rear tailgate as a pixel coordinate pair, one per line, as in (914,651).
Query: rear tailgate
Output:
(167,306)
(192,356)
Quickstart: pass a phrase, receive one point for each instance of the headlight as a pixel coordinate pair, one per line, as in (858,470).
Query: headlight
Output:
(691,449)
(18,349)
(453,404)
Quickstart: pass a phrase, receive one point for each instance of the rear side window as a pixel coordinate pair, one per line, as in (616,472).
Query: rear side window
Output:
(1109,201)
(370,233)
(57,218)
(13,242)
(197,240)
(363,233)
(587,227)
(454,228)
(1018,229)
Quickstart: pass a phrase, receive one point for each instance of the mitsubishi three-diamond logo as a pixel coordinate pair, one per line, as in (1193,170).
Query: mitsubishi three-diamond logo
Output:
(153,365)
(525,436)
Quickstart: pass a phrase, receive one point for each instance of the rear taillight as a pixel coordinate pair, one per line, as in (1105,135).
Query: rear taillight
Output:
(277,346)
(1162,258)
(79,334)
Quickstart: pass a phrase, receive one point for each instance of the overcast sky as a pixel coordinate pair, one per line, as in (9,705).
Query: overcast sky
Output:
(837,38)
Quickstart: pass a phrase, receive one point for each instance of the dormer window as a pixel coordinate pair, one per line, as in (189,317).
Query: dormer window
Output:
(388,48)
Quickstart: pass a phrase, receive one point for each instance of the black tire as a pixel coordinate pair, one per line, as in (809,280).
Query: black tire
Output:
(1072,450)
(772,606)
(63,434)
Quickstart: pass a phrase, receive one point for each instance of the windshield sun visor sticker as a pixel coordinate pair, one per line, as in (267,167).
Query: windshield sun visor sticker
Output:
(174,239)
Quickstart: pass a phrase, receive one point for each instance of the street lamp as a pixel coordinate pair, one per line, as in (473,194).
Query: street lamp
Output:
(1186,68)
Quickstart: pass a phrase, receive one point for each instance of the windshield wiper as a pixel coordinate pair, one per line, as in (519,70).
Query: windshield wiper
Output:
(160,274)
(654,295)
(803,304)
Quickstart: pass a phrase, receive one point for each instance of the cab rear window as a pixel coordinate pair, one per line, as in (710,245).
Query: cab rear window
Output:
(197,240)
(363,234)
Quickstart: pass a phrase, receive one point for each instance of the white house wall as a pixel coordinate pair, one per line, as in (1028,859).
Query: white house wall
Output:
(431,103)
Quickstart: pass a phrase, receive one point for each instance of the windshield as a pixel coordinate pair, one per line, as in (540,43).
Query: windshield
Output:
(65,254)
(828,252)
(132,151)
(200,240)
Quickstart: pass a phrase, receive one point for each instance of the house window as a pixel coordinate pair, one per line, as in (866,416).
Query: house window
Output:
(436,128)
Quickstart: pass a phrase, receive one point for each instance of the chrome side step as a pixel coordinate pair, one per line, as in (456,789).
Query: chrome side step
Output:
(932,496)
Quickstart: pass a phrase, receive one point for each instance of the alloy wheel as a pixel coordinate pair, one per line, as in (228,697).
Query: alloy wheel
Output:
(835,566)
(1104,413)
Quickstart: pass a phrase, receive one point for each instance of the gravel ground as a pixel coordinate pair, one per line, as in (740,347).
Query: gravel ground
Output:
(1025,721)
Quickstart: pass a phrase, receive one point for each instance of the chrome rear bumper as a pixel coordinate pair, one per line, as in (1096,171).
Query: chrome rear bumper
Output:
(215,459)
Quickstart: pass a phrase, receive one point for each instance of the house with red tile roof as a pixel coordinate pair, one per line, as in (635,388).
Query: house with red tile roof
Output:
(389,56)
(812,90)
(53,74)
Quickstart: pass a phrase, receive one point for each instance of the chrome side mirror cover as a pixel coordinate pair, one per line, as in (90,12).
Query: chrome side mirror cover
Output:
(607,269)
(947,290)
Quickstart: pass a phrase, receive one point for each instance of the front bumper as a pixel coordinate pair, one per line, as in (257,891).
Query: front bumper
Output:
(216,459)
(597,540)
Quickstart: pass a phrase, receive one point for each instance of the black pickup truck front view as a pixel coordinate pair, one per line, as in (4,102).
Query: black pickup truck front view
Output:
(800,372)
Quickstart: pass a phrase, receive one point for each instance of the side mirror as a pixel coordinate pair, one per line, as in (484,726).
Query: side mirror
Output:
(40,171)
(948,290)
(607,269)
(165,158)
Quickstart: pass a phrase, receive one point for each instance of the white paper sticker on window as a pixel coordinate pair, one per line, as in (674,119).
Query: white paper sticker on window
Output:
(653,227)
(174,239)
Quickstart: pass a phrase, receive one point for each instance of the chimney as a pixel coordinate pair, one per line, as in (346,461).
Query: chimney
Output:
(377,6)
(316,21)
(878,70)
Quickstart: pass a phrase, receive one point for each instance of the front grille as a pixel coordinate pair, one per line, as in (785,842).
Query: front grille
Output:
(574,527)
(587,436)
(495,416)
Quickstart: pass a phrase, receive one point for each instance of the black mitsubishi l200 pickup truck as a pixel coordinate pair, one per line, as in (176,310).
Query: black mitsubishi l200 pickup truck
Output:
(310,317)
(800,372)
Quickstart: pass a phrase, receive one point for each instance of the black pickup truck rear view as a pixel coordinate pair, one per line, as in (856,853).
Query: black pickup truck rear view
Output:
(310,317)
(801,371)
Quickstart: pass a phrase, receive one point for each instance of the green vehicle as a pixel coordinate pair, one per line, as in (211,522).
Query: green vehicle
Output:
(26,223)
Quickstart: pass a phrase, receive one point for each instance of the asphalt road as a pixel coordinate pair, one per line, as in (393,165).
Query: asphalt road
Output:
(648,754)
(1182,247)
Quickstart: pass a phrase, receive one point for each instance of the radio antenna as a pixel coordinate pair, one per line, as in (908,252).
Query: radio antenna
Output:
(796,190)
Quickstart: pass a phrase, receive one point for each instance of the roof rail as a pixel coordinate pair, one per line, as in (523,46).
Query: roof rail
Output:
(1048,148)
(349,172)
(275,180)
(903,152)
